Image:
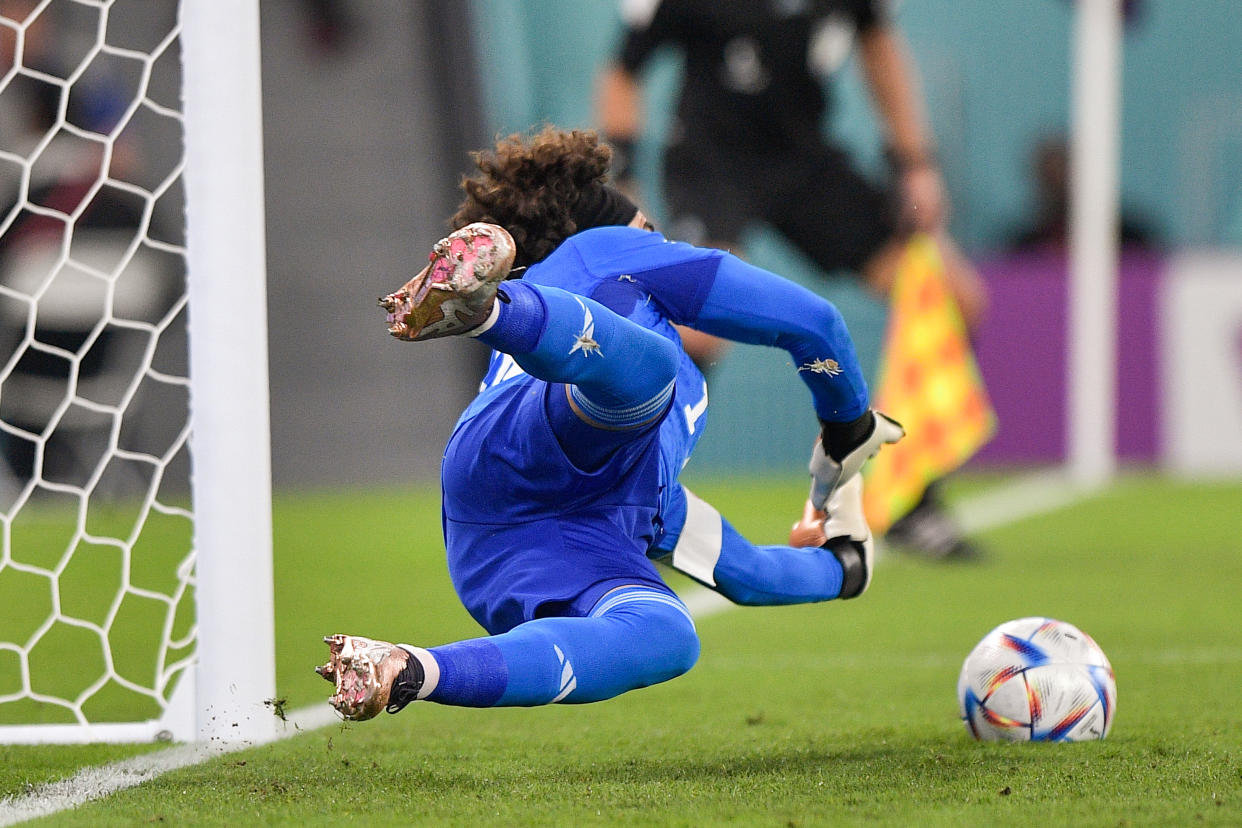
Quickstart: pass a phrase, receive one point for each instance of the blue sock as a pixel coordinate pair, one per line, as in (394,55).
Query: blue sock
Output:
(520,318)
(635,637)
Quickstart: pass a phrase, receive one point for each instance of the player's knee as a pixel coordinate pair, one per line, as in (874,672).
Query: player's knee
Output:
(643,382)
(661,637)
(650,374)
(680,644)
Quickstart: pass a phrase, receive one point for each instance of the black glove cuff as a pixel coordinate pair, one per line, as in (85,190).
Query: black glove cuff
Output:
(853,565)
(840,439)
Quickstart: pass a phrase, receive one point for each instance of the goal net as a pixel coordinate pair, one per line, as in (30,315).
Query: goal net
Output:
(134,475)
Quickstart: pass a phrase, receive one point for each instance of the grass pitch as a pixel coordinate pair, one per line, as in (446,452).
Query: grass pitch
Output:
(827,714)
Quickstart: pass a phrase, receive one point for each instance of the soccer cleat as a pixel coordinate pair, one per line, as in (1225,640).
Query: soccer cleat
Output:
(454,293)
(369,676)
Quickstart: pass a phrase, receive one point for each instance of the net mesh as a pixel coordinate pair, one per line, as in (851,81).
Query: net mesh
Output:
(96,575)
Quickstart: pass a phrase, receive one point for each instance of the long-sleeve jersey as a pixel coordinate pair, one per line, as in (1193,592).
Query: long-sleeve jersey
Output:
(655,282)
(515,502)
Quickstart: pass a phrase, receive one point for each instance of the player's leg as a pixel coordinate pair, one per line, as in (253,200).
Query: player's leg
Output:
(619,373)
(701,543)
(608,373)
(610,380)
(929,528)
(708,195)
(631,637)
(843,221)
(964,282)
(965,285)
(553,335)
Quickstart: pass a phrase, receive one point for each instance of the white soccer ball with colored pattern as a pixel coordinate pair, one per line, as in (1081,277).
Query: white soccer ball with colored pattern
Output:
(1037,680)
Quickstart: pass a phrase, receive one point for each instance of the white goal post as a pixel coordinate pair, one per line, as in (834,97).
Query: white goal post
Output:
(180,646)
(1094,209)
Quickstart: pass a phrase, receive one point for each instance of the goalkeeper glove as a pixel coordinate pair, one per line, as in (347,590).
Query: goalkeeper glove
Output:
(849,537)
(844,532)
(831,468)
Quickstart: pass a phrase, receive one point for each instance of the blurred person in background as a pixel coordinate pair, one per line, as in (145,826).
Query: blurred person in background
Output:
(1048,228)
(748,144)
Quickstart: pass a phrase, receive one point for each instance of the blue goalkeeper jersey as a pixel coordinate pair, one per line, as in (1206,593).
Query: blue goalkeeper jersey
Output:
(523,526)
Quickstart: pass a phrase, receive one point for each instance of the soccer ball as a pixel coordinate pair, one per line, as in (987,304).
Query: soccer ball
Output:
(1037,680)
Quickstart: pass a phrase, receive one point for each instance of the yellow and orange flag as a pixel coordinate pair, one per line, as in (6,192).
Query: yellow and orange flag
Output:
(929,382)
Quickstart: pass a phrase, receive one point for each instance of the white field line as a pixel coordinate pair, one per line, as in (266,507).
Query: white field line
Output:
(1034,494)
(1025,497)
(97,782)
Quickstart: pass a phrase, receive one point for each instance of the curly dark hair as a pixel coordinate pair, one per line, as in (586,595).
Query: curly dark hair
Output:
(529,185)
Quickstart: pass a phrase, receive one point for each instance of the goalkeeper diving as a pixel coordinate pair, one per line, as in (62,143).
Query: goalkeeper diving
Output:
(560,480)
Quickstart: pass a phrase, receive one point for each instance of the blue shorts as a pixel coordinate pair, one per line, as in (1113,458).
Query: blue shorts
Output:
(527,533)
(507,575)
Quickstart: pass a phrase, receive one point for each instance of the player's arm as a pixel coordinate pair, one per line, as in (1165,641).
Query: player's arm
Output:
(749,304)
(719,294)
(745,303)
(698,541)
